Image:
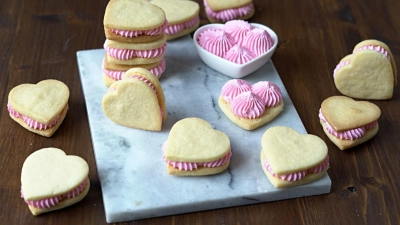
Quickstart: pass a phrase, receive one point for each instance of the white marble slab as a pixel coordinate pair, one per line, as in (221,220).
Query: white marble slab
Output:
(133,177)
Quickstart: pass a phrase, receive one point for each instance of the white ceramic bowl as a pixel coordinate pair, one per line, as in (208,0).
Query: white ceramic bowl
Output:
(229,68)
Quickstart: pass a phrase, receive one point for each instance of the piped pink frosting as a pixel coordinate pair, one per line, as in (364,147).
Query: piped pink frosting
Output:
(376,48)
(234,87)
(31,122)
(238,29)
(258,41)
(248,101)
(117,74)
(351,134)
(248,105)
(300,174)
(229,14)
(176,28)
(195,165)
(239,55)
(125,54)
(135,33)
(53,201)
(269,92)
(218,42)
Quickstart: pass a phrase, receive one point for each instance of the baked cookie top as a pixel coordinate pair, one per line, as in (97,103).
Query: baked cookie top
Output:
(50,172)
(218,5)
(344,113)
(178,11)
(42,102)
(133,15)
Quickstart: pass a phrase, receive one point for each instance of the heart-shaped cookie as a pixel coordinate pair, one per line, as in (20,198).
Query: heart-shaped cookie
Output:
(135,21)
(368,73)
(40,107)
(136,101)
(348,122)
(182,16)
(52,180)
(290,159)
(222,11)
(193,142)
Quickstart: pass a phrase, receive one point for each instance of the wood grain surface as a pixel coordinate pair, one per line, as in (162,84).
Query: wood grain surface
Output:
(39,40)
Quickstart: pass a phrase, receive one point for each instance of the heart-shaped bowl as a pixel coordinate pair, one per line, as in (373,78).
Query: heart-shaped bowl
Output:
(229,68)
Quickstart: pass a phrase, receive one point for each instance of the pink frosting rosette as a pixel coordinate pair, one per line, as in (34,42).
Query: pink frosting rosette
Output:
(268,92)
(218,42)
(234,87)
(238,29)
(258,41)
(248,105)
(239,55)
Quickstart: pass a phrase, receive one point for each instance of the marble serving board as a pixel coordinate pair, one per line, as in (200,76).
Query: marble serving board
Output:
(133,177)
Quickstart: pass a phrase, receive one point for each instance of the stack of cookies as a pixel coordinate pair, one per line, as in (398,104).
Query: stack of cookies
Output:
(135,37)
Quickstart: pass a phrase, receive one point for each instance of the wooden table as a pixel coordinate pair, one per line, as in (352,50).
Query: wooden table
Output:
(39,40)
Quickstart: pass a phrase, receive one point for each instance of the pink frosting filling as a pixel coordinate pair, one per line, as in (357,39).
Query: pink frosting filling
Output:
(248,105)
(125,54)
(51,202)
(228,14)
(351,134)
(250,101)
(298,175)
(135,33)
(376,48)
(117,74)
(195,165)
(31,122)
(176,28)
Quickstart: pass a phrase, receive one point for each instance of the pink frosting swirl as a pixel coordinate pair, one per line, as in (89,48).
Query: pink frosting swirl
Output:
(239,55)
(31,122)
(194,165)
(125,54)
(300,174)
(228,14)
(351,134)
(117,74)
(217,42)
(53,201)
(248,105)
(238,29)
(234,87)
(269,92)
(135,33)
(176,28)
(258,41)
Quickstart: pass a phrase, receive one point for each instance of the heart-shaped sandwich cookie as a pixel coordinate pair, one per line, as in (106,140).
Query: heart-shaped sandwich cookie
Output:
(347,122)
(223,11)
(137,101)
(368,73)
(134,21)
(182,15)
(52,180)
(290,159)
(194,148)
(250,106)
(40,107)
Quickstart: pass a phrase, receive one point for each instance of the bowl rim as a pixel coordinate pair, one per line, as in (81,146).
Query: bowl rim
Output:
(230,63)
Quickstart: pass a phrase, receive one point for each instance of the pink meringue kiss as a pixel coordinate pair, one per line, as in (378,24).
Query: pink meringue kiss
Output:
(250,61)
